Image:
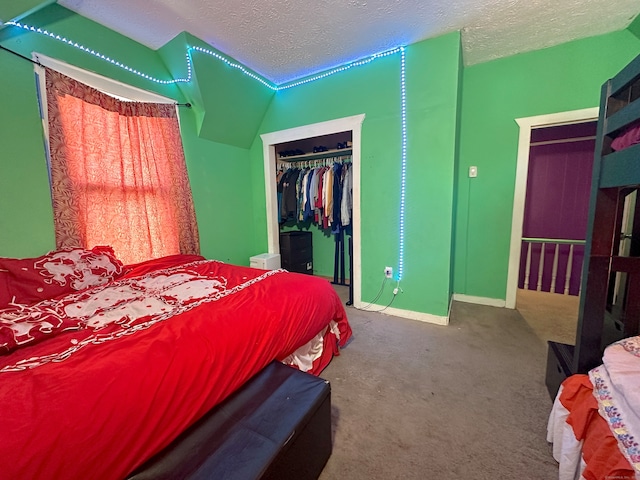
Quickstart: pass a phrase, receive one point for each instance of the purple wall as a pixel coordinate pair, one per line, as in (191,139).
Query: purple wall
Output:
(557,201)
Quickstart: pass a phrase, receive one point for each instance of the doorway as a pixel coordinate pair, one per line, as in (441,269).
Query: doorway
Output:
(351,124)
(542,260)
(556,208)
(314,236)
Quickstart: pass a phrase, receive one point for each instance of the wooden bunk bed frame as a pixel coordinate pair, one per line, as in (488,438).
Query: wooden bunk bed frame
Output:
(610,295)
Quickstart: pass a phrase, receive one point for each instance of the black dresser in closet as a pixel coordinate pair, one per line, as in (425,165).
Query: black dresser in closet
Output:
(296,251)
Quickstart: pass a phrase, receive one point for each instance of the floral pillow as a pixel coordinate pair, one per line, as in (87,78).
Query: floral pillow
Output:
(22,325)
(29,280)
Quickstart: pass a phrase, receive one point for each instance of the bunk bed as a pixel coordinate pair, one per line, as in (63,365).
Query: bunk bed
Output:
(595,420)
(103,365)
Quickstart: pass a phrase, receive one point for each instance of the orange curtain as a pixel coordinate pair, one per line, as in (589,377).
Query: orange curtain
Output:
(118,173)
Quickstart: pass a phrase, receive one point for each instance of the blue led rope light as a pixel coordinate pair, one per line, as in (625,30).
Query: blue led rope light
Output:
(104,57)
(234,65)
(339,69)
(273,87)
(211,53)
(403,174)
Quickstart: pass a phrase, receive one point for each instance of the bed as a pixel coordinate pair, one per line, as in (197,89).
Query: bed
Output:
(595,430)
(594,424)
(104,364)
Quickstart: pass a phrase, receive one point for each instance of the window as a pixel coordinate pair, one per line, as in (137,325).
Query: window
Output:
(118,173)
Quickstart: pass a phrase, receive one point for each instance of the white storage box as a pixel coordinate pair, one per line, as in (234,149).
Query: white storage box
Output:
(265,261)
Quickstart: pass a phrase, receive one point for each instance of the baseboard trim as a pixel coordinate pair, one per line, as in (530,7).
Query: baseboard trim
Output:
(409,314)
(491,302)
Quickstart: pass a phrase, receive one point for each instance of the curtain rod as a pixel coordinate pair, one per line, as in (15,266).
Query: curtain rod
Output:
(20,55)
(35,62)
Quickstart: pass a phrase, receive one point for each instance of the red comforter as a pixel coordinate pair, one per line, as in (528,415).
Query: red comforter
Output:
(160,349)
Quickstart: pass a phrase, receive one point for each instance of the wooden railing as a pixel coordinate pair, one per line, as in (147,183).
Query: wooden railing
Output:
(548,243)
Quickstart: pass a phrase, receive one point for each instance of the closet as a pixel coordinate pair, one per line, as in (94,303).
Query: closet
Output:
(314,189)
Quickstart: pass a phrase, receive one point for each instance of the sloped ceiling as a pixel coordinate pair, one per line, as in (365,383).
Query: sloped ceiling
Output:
(287,39)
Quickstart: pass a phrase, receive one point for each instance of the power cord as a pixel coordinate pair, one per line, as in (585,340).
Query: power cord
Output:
(395,294)
(396,290)
(384,282)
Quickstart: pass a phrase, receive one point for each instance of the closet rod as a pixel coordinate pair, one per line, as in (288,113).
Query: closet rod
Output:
(316,156)
(309,163)
(187,104)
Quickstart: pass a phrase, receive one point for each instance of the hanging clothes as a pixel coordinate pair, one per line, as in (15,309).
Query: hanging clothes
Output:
(328,199)
(307,209)
(318,206)
(322,195)
(346,206)
(279,175)
(336,222)
(288,208)
(309,206)
(299,195)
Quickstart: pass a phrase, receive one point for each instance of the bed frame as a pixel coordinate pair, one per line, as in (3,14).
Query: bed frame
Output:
(610,294)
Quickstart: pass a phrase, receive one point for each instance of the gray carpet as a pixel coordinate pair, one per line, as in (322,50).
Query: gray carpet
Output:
(412,400)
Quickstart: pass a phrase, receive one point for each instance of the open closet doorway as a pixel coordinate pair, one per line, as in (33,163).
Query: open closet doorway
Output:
(551,199)
(276,141)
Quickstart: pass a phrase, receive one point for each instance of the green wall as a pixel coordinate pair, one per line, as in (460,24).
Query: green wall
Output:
(457,229)
(432,88)
(229,104)
(26,218)
(18,9)
(634,27)
(218,171)
(562,78)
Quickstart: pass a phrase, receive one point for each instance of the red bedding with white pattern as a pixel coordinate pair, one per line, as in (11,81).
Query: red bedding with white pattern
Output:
(595,421)
(136,361)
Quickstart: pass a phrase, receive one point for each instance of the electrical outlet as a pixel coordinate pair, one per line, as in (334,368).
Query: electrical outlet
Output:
(388,272)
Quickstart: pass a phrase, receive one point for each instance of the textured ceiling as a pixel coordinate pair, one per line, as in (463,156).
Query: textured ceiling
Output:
(287,39)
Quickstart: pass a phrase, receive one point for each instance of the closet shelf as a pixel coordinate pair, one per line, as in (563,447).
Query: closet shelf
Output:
(315,156)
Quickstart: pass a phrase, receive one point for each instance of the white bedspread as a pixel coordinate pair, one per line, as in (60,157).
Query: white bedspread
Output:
(567,451)
(617,389)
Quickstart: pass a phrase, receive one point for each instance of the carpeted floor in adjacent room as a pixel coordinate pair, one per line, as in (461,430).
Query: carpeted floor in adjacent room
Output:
(412,400)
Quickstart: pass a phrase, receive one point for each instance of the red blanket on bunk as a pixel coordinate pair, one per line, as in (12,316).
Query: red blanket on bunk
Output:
(159,349)
(600,450)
